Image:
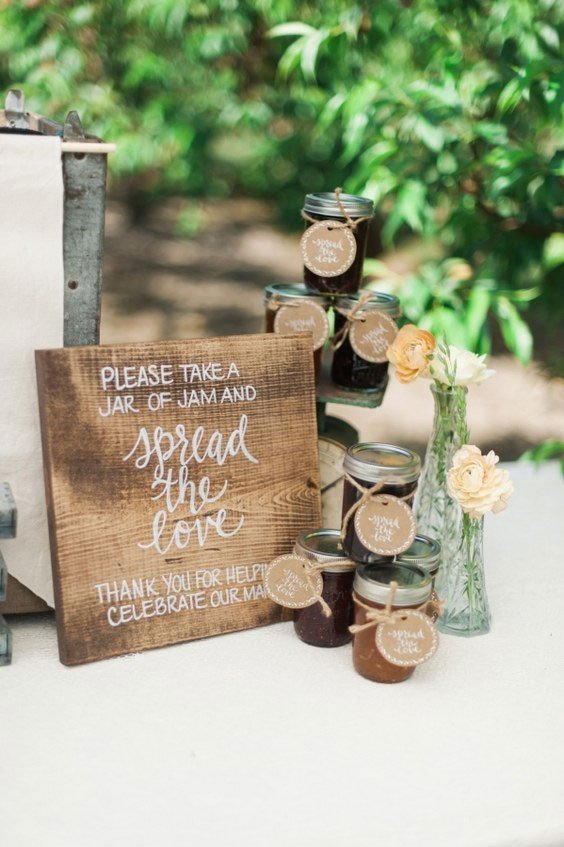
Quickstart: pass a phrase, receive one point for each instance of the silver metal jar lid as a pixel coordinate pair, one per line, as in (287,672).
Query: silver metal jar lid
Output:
(372,461)
(372,582)
(378,301)
(425,553)
(325,204)
(286,292)
(324,546)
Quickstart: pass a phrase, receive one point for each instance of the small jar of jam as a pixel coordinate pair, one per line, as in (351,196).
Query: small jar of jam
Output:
(351,370)
(342,208)
(323,546)
(371,590)
(294,308)
(370,463)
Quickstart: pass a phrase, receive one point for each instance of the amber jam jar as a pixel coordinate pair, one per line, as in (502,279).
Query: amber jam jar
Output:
(372,588)
(324,207)
(323,546)
(349,370)
(280,294)
(369,463)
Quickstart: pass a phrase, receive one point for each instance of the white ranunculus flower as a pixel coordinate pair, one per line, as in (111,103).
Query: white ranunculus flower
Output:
(467,367)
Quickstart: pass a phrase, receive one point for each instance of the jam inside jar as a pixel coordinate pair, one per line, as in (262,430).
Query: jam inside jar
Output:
(370,463)
(323,546)
(282,294)
(325,207)
(349,370)
(371,589)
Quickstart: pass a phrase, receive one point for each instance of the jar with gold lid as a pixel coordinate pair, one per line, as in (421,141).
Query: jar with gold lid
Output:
(384,469)
(294,308)
(365,326)
(323,547)
(334,255)
(371,591)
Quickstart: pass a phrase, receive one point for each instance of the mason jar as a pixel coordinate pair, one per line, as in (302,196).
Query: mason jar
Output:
(369,463)
(371,588)
(325,207)
(294,308)
(360,362)
(323,547)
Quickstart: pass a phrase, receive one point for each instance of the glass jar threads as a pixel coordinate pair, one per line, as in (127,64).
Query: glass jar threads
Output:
(364,329)
(372,590)
(294,308)
(380,483)
(334,242)
(323,547)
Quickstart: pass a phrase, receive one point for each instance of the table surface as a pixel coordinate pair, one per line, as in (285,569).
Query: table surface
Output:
(257,739)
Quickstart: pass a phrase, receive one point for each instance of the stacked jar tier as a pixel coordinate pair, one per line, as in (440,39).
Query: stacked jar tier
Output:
(364,328)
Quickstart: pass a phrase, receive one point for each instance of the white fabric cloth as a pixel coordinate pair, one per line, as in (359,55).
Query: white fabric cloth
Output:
(31,317)
(257,739)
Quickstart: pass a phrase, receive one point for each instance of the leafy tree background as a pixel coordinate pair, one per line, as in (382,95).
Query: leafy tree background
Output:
(447,113)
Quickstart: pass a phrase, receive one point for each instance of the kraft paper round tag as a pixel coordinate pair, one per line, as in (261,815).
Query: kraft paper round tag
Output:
(371,337)
(407,642)
(328,248)
(286,582)
(385,525)
(305,316)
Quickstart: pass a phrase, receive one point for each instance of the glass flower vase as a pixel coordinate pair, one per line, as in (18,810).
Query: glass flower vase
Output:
(461,584)
(436,513)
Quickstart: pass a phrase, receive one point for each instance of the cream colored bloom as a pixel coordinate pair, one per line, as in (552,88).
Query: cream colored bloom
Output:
(410,352)
(467,367)
(476,483)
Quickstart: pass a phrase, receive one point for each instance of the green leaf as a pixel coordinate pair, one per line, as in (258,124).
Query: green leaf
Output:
(510,96)
(431,135)
(553,251)
(479,303)
(291,28)
(309,53)
(408,208)
(515,331)
(550,449)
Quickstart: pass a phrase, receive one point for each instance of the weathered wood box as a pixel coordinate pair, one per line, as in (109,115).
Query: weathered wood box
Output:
(84,163)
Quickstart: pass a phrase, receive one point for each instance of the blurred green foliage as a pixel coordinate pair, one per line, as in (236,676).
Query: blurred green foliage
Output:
(447,113)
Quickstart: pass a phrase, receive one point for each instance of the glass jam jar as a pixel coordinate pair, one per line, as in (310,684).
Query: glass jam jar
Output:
(369,463)
(326,206)
(323,546)
(372,588)
(349,370)
(279,295)
(425,553)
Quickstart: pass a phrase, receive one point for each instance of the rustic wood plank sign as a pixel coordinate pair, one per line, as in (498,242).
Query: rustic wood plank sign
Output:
(174,473)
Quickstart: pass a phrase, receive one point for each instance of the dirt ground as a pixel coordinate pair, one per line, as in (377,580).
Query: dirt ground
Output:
(159,284)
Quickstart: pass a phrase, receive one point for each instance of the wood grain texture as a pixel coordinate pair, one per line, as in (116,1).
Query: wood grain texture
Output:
(100,507)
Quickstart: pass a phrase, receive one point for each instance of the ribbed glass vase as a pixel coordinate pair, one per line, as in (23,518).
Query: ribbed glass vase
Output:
(461,584)
(436,513)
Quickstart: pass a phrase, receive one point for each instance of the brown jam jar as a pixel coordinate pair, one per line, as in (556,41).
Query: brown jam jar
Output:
(349,370)
(283,294)
(324,207)
(372,588)
(369,463)
(323,546)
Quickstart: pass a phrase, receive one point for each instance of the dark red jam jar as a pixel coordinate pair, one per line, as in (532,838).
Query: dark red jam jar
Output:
(369,463)
(324,207)
(323,546)
(372,589)
(350,370)
(281,295)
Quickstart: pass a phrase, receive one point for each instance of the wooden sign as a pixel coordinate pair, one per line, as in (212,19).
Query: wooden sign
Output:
(175,472)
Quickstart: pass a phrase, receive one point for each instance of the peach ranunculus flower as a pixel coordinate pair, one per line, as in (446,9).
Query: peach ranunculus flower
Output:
(476,483)
(410,352)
